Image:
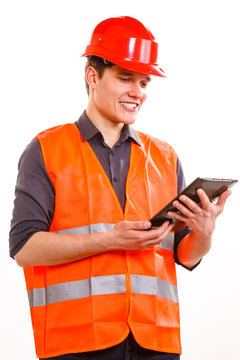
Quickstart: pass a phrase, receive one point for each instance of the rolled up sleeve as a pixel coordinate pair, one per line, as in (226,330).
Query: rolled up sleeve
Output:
(34,198)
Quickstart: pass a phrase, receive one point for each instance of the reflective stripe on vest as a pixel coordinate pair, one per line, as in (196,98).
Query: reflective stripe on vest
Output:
(101,285)
(167,243)
(88,229)
(151,285)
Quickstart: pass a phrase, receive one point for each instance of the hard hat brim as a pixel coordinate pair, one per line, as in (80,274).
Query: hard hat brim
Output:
(141,68)
(128,64)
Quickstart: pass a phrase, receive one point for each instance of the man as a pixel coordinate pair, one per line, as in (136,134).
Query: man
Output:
(99,285)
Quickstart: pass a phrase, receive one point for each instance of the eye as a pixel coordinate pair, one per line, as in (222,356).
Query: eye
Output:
(144,84)
(124,79)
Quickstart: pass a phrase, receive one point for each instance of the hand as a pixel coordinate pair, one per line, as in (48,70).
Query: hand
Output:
(201,217)
(128,235)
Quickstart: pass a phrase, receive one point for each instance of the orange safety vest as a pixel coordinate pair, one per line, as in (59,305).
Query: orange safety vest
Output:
(93,303)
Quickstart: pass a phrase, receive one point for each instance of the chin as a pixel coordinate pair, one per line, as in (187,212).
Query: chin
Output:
(130,122)
(129,119)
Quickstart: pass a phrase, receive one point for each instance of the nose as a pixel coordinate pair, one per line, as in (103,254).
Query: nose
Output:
(136,90)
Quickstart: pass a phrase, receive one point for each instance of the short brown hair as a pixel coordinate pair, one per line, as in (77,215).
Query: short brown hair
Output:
(99,64)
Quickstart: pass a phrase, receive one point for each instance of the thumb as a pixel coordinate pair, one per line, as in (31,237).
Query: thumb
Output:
(222,198)
(141,225)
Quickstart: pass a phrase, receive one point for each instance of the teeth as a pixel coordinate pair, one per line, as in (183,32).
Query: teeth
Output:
(128,105)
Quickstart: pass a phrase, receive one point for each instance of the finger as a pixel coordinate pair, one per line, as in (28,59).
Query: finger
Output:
(167,231)
(203,198)
(161,237)
(223,198)
(155,233)
(177,216)
(162,229)
(192,205)
(183,209)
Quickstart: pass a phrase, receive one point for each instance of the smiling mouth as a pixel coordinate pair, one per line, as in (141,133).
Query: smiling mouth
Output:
(129,105)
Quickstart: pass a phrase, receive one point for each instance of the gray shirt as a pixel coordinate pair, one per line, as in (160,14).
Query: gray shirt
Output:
(34,194)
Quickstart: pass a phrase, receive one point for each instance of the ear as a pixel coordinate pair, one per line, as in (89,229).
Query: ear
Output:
(91,77)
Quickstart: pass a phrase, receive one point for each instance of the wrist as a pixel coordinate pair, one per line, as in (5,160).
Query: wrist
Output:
(193,247)
(106,241)
(201,239)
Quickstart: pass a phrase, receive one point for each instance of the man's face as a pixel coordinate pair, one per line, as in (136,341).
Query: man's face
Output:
(119,94)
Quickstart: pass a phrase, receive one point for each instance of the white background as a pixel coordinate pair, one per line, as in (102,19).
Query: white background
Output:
(196,110)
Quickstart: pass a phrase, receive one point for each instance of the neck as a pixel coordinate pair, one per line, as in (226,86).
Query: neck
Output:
(110,130)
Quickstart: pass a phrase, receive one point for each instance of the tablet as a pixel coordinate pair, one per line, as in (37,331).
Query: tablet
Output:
(212,187)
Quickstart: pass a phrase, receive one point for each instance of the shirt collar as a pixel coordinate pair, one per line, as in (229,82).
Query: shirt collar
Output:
(88,130)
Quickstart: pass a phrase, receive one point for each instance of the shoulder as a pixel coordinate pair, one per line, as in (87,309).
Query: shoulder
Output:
(31,168)
(156,144)
(57,131)
(56,140)
(32,154)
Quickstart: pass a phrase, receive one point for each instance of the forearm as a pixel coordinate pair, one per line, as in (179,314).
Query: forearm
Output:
(46,248)
(192,248)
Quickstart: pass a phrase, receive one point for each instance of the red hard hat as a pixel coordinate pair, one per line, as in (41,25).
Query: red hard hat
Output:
(127,43)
